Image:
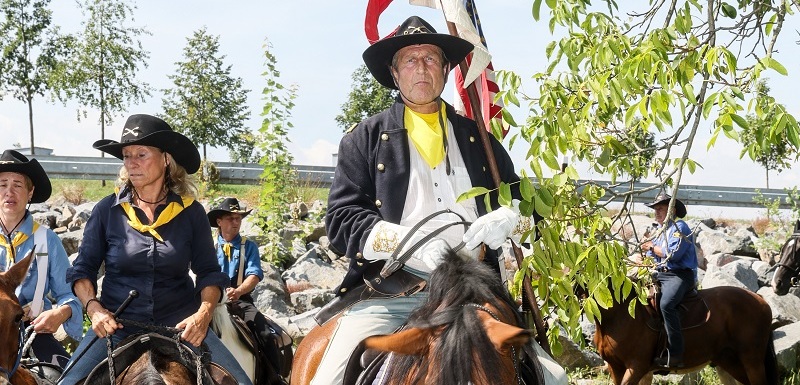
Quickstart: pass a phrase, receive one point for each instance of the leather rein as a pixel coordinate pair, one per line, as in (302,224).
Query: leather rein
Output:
(21,344)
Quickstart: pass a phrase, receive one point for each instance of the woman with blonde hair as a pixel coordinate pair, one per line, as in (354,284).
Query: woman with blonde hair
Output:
(150,233)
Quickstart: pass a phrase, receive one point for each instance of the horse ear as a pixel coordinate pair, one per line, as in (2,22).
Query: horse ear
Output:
(412,341)
(16,273)
(504,335)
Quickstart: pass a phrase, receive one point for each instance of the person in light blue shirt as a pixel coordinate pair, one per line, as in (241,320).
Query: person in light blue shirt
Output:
(22,182)
(676,264)
(239,259)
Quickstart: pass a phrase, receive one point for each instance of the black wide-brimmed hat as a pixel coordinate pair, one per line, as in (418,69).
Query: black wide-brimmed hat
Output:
(413,31)
(13,161)
(227,205)
(680,208)
(147,130)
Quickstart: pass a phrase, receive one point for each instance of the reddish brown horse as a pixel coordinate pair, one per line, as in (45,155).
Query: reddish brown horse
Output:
(788,267)
(464,333)
(11,326)
(737,337)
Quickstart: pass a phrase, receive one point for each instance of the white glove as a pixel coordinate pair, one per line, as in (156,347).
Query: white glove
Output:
(492,229)
(430,255)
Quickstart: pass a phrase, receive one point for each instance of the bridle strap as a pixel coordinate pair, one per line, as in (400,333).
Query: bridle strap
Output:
(20,342)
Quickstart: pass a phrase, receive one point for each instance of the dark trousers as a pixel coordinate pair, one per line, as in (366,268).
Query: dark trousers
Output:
(48,349)
(675,285)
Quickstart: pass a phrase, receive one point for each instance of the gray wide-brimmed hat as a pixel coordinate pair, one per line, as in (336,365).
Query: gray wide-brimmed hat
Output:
(13,161)
(227,205)
(413,31)
(148,130)
(680,208)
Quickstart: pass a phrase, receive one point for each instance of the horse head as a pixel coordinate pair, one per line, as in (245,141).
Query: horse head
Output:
(786,275)
(466,332)
(11,315)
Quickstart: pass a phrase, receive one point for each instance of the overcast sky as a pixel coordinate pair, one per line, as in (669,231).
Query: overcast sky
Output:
(318,44)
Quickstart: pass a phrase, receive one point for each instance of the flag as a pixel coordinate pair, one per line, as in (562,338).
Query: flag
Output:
(465,16)
(374,10)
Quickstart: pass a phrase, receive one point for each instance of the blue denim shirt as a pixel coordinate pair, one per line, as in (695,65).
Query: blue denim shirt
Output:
(676,241)
(55,286)
(159,271)
(252,261)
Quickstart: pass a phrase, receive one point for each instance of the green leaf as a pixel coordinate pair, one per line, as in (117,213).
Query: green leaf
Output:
(526,188)
(778,67)
(537,5)
(505,194)
(740,121)
(472,193)
(549,159)
(728,10)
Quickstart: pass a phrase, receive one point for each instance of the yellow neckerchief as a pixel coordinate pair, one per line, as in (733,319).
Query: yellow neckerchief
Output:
(425,132)
(226,249)
(172,211)
(19,238)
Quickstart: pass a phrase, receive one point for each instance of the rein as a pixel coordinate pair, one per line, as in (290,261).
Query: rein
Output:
(513,350)
(199,360)
(10,373)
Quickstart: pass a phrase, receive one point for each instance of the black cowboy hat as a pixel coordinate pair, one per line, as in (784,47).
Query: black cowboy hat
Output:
(147,130)
(413,31)
(227,205)
(680,208)
(13,161)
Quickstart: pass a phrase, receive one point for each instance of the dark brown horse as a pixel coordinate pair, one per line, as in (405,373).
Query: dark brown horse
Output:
(466,332)
(788,267)
(11,326)
(737,337)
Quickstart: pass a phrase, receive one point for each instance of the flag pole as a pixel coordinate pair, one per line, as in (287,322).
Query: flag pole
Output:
(527,285)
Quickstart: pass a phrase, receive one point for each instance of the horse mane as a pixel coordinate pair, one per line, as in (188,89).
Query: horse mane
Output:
(461,337)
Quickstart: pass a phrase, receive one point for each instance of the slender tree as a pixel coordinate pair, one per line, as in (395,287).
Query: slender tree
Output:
(770,154)
(367,97)
(31,52)
(278,176)
(206,103)
(108,56)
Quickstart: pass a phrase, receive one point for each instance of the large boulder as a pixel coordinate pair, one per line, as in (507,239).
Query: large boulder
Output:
(785,308)
(311,271)
(787,346)
(715,241)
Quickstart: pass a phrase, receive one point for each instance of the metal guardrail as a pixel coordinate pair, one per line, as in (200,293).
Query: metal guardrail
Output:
(94,168)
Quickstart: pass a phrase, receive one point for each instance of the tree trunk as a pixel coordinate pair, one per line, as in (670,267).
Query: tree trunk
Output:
(767,173)
(30,121)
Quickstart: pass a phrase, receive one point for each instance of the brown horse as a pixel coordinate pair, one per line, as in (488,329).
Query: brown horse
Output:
(737,337)
(788,267)
(466,332)
(11,326)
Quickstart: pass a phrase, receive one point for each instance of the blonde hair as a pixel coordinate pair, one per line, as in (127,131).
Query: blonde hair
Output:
(177,179)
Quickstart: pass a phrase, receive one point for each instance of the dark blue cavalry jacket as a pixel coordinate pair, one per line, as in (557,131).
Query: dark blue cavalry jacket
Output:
(371,181)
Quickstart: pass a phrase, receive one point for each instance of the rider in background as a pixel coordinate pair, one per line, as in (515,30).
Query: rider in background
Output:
(239,259)
(676,258)
(401,165)
(23,182)
(149,234)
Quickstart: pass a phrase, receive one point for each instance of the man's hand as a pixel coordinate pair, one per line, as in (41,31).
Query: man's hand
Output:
(49,321)
(492,229)
(232,294)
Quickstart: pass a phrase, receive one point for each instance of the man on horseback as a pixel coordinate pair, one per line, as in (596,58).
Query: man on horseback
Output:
(239,259)
(676,258)
(398,167)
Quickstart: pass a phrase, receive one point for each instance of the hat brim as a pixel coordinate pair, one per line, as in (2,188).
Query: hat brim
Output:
(179,146)
(378,57)
(33,170)
(213,215)
(680,208)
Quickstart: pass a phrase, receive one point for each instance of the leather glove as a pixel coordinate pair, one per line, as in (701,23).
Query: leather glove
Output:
(492,229)
(429,256)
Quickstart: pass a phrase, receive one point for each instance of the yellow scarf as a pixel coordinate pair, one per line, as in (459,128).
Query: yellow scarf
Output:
(19,239)
(172,211)
(226,248)
(425,132)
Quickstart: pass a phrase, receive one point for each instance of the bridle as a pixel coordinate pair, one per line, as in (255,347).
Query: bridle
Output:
(20,341)
(514,357)
(795,273)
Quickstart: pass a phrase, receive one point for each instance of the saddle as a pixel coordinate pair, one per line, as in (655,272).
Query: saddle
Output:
(694,311)
(132,347)
(281,341)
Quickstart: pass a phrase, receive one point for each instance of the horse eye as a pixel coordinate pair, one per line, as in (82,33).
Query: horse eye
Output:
(18,317)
